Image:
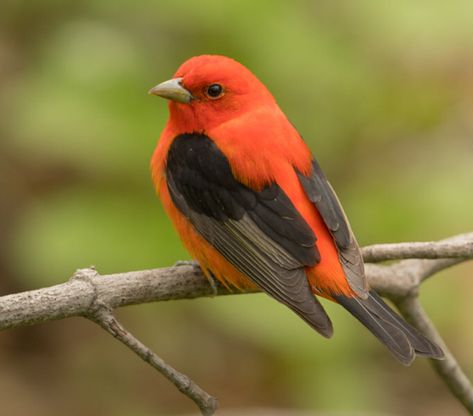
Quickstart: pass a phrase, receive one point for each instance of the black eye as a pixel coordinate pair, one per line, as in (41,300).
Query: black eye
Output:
(214,90)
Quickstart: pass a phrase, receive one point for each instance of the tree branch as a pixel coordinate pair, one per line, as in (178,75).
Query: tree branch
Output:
(455,247)
(448,369)
(207,404)
(93,296)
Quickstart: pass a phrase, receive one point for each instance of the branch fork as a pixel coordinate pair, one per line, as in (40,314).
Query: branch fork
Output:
(102,314)
(94,296)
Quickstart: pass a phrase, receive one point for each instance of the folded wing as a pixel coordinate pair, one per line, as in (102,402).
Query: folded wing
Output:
(259,232)
(321,193)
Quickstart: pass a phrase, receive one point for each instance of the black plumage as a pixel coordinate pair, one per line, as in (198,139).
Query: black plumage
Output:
(263,235)
(402,339)
(202,175)
(321,193)
(260,233)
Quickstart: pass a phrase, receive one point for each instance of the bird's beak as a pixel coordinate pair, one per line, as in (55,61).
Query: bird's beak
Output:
(172,90)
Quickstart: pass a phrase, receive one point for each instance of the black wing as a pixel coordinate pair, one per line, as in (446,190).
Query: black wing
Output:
(403,340)
(260,233)
(321,193)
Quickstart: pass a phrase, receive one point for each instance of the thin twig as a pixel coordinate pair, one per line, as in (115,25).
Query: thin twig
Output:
(206,403)
(448,369)
(98,309)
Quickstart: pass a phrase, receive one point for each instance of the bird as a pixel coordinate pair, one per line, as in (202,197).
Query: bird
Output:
(254,208)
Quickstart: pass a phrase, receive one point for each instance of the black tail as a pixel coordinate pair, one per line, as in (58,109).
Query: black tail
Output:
(402,339)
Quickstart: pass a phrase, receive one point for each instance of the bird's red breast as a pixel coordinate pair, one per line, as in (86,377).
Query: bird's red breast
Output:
(253,206)
(261,146)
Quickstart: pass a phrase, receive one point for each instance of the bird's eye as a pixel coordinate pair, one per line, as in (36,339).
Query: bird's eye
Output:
(214,91)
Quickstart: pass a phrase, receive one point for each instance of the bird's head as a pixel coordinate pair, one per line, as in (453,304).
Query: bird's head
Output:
(208,90)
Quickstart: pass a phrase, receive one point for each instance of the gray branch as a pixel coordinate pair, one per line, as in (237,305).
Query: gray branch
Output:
(207,404)
(449,369)
(455,247)
(95,296)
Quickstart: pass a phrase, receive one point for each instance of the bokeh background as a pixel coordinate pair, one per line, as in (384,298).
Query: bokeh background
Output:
(382,92)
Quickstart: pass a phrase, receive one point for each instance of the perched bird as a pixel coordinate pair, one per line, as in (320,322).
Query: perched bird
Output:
(254,208)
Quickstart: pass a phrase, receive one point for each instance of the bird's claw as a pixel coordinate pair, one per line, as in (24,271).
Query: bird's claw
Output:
(180,263)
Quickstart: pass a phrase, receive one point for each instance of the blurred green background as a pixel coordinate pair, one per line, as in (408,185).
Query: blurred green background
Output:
(382,92)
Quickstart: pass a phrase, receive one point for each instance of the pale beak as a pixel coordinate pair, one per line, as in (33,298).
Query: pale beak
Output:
(172,90)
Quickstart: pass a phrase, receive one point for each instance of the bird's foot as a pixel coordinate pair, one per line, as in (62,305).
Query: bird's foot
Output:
(213,284)
(180,263)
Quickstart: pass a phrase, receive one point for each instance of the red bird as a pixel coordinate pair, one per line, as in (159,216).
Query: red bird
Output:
(254,208)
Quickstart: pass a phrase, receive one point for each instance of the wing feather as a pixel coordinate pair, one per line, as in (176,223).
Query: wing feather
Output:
(321,193)
(260,233)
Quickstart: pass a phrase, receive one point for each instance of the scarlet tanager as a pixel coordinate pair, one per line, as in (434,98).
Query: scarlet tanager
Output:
(254,208)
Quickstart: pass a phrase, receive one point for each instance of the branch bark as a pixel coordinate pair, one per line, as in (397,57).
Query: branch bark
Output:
(105,318)
(455,247)
(94,296)
(448,369)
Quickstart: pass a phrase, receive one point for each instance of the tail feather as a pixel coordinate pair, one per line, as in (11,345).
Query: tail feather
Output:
(403,340)
(422,345)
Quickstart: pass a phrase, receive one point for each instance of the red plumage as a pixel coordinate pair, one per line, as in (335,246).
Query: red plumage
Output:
(253,207)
